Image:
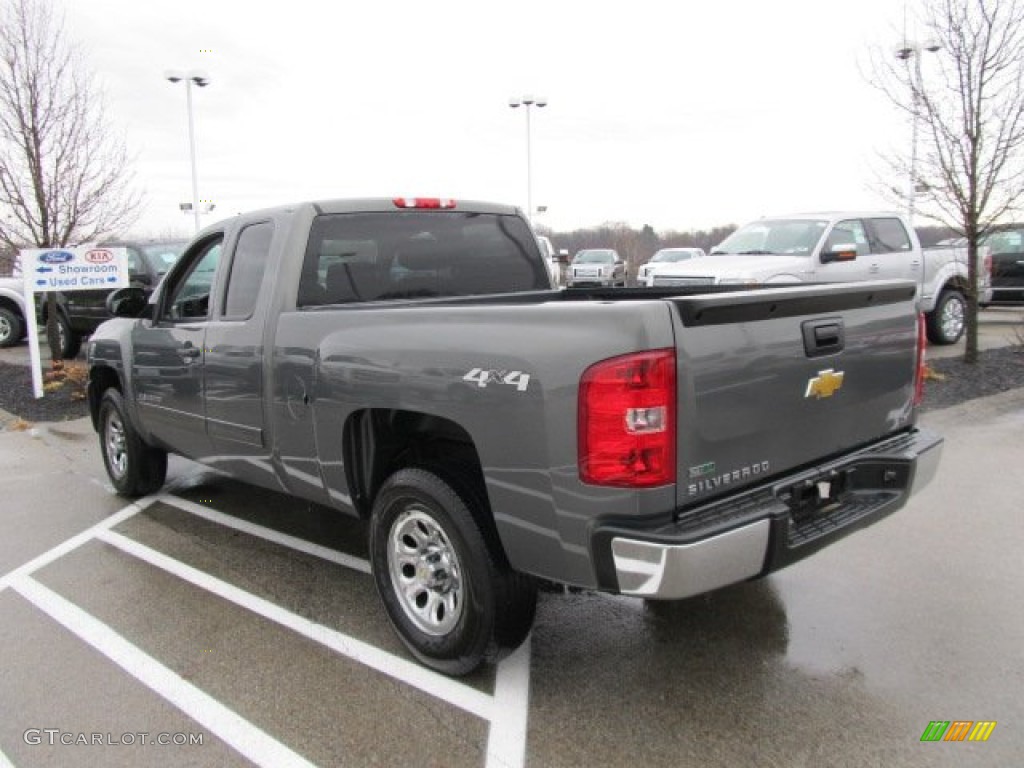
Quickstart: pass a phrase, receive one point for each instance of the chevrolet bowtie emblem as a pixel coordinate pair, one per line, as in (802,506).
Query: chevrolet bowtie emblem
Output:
(825,384)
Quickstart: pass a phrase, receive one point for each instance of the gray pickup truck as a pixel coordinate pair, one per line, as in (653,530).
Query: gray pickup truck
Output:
(407,362)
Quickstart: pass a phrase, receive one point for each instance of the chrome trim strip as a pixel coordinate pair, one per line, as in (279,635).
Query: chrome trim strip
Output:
(671,572)
(926,466)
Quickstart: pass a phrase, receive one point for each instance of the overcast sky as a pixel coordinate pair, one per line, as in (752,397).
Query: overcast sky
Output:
(678,114)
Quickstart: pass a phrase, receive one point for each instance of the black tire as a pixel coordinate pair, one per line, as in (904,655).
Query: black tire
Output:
(70,341)
(444,583)
(12,328)
(945,324)
(134,468)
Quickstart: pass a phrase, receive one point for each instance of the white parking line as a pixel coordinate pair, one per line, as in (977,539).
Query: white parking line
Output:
(410,673)
(269,534)
(506,743)
(74,542)
(506,711)
(239,733)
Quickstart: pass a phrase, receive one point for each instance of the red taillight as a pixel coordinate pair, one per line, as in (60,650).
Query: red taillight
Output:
(423,202)
(919,370)
(627,420)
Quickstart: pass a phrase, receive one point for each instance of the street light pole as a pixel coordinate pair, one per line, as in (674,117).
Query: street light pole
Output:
(528,101)
(201,80)
(911,50)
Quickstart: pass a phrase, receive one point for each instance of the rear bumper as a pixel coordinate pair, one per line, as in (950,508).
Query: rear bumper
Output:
(762,530)
(1013,295)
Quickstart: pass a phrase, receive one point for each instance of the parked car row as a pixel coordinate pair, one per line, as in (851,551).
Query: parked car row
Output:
(845,246)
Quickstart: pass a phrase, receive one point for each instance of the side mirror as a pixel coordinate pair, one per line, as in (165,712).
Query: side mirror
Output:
(839,252)
(127,302)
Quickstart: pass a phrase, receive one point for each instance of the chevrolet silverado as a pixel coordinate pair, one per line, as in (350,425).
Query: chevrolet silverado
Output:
(407,361)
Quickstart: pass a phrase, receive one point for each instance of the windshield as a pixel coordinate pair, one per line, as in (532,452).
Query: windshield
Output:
(1010,241)
(162,256)
(594,257)
(673,254)
(779,236)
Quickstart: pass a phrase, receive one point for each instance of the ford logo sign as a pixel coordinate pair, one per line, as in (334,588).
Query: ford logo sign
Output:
(56,257)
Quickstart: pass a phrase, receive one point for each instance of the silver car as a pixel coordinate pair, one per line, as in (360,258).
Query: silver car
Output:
(667,256)
(600,267)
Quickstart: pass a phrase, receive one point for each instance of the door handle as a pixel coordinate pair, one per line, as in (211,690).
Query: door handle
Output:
(823,337)
(189,352)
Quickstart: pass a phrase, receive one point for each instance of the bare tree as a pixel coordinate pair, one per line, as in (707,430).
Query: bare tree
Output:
(970,109)
(63,174)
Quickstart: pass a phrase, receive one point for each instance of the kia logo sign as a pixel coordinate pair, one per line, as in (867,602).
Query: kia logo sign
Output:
(99,256)
(56,257)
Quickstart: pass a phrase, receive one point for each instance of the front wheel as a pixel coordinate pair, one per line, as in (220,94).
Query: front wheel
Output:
(945,323)
(134,468)
(447,590)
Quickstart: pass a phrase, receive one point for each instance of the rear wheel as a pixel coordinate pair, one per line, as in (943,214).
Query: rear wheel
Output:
(945,323)
(447,590)
(11,328)
(134,468)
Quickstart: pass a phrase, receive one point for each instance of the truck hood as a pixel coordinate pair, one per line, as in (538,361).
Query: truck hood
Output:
(738,267)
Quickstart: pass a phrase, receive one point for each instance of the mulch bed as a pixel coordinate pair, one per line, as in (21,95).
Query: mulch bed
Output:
(997,370)
(16,397)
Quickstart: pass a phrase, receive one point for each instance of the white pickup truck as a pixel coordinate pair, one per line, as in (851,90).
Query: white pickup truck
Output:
(12,311)
(845,246)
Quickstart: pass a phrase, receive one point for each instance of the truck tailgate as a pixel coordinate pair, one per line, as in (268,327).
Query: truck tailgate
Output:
(775,380)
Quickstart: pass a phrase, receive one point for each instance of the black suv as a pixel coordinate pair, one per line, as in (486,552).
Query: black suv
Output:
(79,313)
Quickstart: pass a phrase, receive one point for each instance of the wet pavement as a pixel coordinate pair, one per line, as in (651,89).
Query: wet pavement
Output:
(248,619)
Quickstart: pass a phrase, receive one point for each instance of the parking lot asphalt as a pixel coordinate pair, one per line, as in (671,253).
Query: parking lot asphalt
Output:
(247,620)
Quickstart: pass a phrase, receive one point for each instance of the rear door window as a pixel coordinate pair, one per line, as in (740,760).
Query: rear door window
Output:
(247,267)
(357,257)
(888,236)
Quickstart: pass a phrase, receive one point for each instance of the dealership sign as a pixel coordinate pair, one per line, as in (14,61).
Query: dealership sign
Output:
(74,269)
(67,269)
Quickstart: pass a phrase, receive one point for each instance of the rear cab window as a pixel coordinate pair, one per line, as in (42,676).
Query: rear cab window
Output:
(401,255)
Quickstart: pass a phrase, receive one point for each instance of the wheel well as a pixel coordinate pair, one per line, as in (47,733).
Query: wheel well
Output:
(378,442)
(12,305)
(101,378)
(955,284)
(44,310)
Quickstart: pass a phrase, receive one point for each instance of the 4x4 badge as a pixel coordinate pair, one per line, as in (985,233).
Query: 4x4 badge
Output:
(825,384)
